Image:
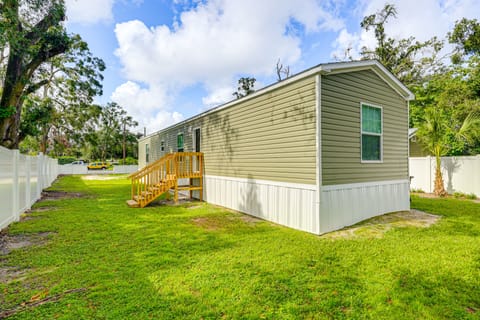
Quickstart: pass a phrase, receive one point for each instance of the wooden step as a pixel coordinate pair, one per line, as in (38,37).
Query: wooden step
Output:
(146,193)
(132,204)
(183,188)
(136,198)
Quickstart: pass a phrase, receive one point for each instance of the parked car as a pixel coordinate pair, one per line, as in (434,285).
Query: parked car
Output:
(78,162)
(98,166)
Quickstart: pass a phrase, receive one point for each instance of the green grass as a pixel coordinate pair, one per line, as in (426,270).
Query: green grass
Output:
(198,261)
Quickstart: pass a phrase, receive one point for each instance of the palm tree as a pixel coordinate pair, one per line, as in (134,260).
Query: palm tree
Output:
(436,134)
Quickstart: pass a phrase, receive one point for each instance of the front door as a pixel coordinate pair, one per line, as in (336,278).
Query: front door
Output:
(196,140)
(196,148)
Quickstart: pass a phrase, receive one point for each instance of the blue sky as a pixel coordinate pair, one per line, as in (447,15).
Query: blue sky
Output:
(169,60)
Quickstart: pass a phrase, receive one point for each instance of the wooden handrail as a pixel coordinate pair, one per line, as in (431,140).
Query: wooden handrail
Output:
(158,177)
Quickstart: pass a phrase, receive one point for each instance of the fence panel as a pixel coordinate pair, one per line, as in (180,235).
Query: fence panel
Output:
(460,174)
(22,179)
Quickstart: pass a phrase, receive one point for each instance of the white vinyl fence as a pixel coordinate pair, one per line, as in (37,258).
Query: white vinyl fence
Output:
(460,174)
(22,179)
(82,169)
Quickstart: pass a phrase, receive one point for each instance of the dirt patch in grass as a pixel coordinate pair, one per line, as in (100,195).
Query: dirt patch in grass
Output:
(59,195)
(13,242)
(9,274)
(27,215)
(209,223)
(376,227)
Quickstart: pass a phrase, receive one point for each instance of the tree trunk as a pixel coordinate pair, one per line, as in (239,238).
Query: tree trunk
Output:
(439,188)
(11,103)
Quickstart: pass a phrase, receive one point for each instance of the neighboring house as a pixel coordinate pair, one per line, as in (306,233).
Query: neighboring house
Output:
(415,147)
(321,150)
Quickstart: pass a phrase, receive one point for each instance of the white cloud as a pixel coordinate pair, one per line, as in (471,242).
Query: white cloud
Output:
(421,19)
(213,42)
(89,11)
(148,106)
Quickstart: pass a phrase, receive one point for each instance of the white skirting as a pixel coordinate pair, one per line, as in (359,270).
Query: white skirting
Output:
(288,204)
(344,205)
(293,205)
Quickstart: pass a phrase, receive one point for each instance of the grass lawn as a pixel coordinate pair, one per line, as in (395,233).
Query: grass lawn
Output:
(98,259)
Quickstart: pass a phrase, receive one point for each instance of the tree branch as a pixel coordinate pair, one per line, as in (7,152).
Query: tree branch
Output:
(34,87)
(54,16)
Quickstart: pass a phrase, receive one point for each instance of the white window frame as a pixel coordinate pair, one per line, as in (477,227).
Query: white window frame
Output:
(370,133)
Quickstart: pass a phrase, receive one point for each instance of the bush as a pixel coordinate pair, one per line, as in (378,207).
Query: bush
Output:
(66,159)
(129,161)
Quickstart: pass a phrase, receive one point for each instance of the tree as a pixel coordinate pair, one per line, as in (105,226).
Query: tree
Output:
(71,80)
(281,70)
(32,33)
(126,121)
(408,59)
(456,92)
(245,87)
(466,36)
(436,133)
(112,131)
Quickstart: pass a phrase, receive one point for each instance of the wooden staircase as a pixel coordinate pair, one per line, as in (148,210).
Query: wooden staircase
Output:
(162,176)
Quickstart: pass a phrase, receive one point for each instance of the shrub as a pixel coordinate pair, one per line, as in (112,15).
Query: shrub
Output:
(66,159)
(471,196)
(129,161)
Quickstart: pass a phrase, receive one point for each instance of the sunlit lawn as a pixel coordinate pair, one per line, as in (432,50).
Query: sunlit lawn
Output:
(104,260)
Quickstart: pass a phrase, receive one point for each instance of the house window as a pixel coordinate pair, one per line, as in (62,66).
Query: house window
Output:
(180,142)
(372,133)
(147,153)
(162,145)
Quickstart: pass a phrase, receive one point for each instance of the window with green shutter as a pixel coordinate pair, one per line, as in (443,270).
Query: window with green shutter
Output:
(372,133)
(180,142)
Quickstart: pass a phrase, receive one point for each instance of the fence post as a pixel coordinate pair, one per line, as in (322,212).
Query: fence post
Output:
(28,182)
(39,175)
(15,195)
(429,163)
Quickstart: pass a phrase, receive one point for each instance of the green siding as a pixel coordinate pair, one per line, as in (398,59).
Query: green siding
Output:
(341,137)
(268,137)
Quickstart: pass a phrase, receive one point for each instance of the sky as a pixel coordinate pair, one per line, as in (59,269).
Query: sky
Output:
(170,60)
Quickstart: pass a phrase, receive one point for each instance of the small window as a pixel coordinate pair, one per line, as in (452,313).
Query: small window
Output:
(147,153)
(372,132)
(162,145)
(180,142)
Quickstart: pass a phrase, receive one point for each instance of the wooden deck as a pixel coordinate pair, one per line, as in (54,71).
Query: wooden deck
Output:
(162,176)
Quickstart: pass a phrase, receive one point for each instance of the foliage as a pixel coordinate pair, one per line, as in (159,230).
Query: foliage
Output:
(72,80)
(455,93)
(196,260)
(439,135)
(408,59)
(466,36)
(32,33)
(245,87)
(66,159)
(128,161)
(112,130)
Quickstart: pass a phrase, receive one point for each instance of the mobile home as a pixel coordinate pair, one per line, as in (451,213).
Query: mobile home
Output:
(321,150)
